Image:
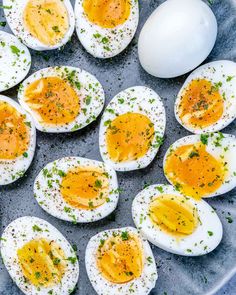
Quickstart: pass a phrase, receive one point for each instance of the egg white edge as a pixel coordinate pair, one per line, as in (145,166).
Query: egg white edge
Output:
(10,39)
(86,31)
(22,163)
(51,201)
(229,141)
(154,111)
(208,221)
(85,78)
(23,225)
(14,17)
(141,285)
(214,70)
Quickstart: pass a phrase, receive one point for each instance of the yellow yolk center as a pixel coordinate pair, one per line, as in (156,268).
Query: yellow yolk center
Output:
(129,137)
(85,187)
(194,171)
(107,13)
(201,104)
(120,258)
(174,215)
(46,20)
(53,99)
(14,135)
(42,262)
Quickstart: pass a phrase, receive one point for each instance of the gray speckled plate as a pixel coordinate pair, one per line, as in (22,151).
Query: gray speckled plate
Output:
(177,275)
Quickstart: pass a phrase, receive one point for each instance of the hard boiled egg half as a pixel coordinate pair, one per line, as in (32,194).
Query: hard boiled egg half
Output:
(15,61)
(38,257)
(77,189)
(132,129)
(105,27)
(62,99)
(40,24)
(176,223)
(202,166)
(17,140)
(206,102)
(120,261)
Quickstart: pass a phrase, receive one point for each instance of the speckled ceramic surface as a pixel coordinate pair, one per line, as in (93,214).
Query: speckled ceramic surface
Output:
(177,275)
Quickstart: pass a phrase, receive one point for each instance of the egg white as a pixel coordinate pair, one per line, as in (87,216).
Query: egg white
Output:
(21,231)
(47,191)
(200,242)
(11,170)
(138,99)
(119,37)
(14,14)
(139,286)
(90,87)
(177,37)
(222,71)
(223,149)
(15,61)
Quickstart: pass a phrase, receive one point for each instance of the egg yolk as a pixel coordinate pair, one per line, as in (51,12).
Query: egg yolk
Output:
(107,13)
(53,99)
(201,104)
(46,20)
(129,137)
(43,262)
(120,258)
(14,133)
(85,187)
(194,171)
(174,215)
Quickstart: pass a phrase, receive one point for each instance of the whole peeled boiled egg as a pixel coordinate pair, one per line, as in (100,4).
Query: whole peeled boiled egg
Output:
(40,24)
(177,37)
(106,27)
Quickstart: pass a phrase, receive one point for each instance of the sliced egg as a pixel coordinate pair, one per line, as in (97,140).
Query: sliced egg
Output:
(206,102)
(120,261)
(77,189)
(15,61)
(41,25)
(176,223)
(202,166)
(104,27)
(132,129)
(62,99)
(38,257)
(17,140)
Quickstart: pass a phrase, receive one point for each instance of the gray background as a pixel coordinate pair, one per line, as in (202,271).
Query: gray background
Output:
(177,275)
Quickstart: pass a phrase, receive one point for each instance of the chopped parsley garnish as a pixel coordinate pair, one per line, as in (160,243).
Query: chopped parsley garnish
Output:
(204,138)
(72,259)
(210,233)
(193,154)
(56,29)
(15,50)
(36,228)
(124,236)
(37,274)
(98,183)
